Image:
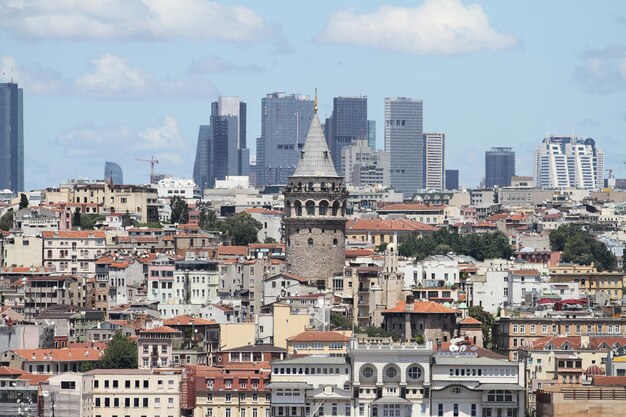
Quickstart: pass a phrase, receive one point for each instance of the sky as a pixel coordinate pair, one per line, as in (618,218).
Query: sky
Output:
(122,80)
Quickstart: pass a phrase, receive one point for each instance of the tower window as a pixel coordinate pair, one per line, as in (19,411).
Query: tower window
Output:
(335,242)
(310,208)
(310,242)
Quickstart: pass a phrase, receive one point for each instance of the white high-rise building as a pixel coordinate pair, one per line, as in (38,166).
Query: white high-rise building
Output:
(364,165)
(569,161)
(434,160)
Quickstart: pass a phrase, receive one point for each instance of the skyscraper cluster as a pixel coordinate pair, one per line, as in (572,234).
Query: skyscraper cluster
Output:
(11,138)
(221,149)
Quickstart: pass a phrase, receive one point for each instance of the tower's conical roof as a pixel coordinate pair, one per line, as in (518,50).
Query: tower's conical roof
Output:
(315,160)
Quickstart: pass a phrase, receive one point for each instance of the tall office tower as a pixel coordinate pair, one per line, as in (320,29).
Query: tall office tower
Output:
(113,173)
(221,149)
(11,138)
(285,120)
(315,213)
(452,179)
(434,160)
(499,167)
(404,141)
(348,123)
(569,161)
(371,133)
(202,164)
(364,165)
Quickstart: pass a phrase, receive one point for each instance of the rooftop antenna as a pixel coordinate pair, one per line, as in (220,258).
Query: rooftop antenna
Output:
(315,107)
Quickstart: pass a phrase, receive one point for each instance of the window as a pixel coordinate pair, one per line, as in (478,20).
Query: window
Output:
(368,372)
(473,411)
(391,372)
(544,328)
(68,384)
(310,242)
(414,372)
(170,402)
(456,390)
(440,410)
(455,410)
(228,412)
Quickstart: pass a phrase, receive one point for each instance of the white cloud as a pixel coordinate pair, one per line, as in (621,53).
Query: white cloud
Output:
(36,79)
(117,139)
(215,64)
(603,71)
(112,76)
(132,20)
(434,27)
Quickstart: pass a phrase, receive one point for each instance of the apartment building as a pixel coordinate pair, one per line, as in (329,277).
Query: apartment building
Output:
(513,333)
(155,347)
(73,251)
(604,286)
(132,392)
(240,390)
(140,201)
(316,342)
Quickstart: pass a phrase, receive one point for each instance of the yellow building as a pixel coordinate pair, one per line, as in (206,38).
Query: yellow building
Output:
(377,231)
(590,281)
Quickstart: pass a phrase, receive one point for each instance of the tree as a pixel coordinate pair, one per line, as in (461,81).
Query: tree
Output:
(441,242)
(6,221)
(180,210)
(580,247)
(382,247)
(487,323)
(338,320)
(90,220)
(269,239)
(23,201)
(76,218)
(209,220)
(242,228)
(121,353)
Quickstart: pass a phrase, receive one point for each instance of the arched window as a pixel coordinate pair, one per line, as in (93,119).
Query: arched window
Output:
(323,207)
(336,207)
(297,205)
(310,242)
(335,242)
(288,208)
(323,186)
(391,373)
(310,208)
(310,188)
(499,396)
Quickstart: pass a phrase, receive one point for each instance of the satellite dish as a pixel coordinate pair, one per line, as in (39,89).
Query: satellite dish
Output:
(453,348)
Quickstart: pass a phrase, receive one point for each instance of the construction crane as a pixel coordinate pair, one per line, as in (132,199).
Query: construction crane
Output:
(152,162)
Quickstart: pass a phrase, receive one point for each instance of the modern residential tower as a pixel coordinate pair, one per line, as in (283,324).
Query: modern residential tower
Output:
(569,161)
(499,167)
(285,121)
(11,138)
(434,160)
(404,141)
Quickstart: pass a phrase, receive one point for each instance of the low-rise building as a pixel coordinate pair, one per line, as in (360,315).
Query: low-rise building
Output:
(316,342)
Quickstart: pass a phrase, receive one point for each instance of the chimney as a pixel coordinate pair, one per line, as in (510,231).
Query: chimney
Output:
(410,299)
(438,345)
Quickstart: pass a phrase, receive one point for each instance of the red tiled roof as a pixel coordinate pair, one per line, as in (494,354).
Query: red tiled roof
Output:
(319,336)
(8,371)
(232,250)
(187,321)
(421,307)
(470,321)
(388,225)
(611,341)
(162,329)
(353,253)
(609,380)
(557,342)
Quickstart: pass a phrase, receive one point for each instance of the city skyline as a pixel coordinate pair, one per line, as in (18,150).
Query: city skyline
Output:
(121,94)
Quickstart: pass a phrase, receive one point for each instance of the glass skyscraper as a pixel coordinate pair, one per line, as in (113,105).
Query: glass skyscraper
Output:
(404,140)
(347,124)
(285,121)
(11,138)
(371,134)
(113,172)
(499,167)
(221,149)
